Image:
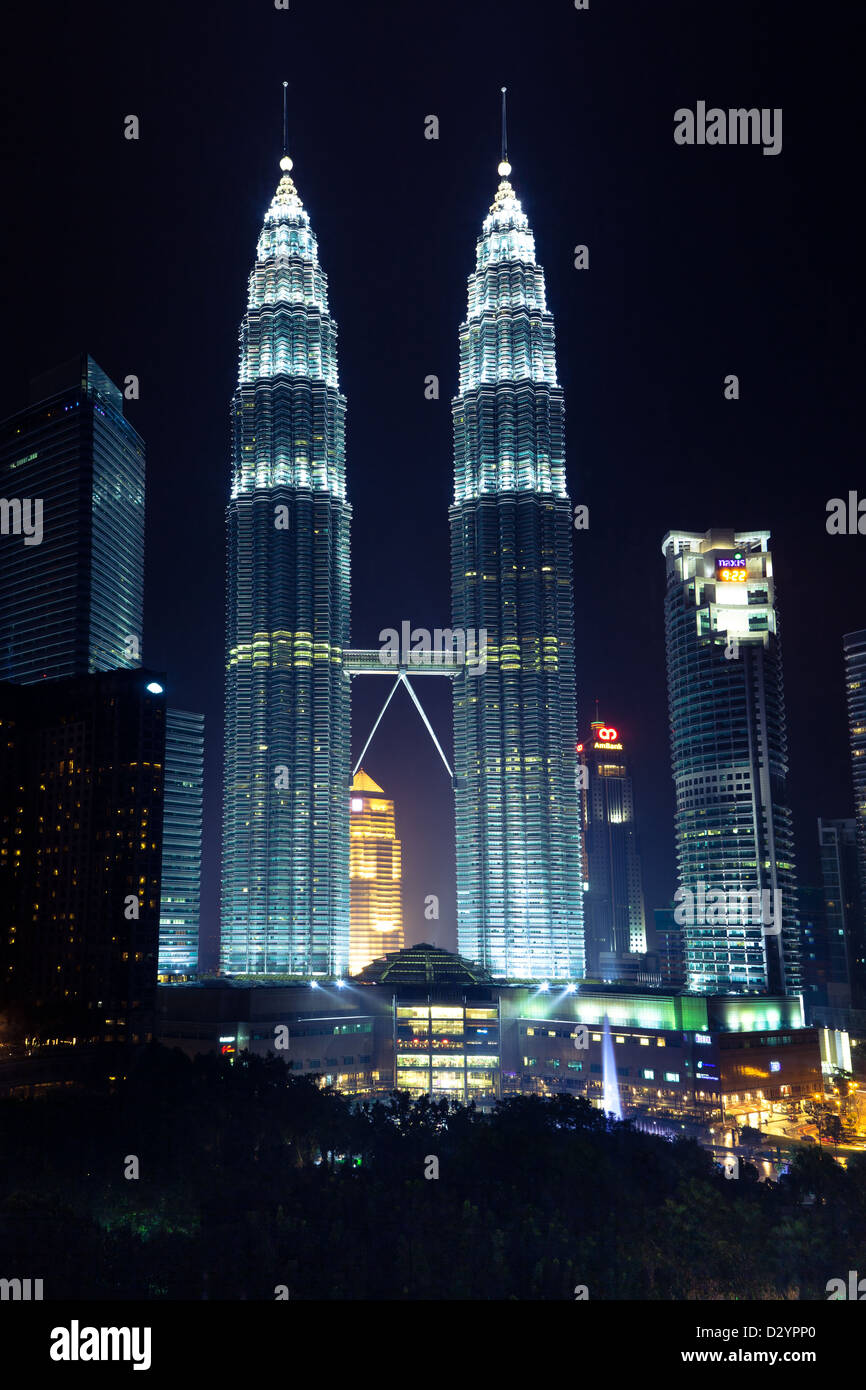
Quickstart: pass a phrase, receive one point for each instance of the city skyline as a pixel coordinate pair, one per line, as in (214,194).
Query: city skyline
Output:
(432,674)
(399,513)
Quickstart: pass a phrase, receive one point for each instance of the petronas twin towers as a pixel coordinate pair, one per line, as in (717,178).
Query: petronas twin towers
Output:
(285,885)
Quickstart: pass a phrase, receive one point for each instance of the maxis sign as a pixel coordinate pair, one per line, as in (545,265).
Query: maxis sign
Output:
(732,570)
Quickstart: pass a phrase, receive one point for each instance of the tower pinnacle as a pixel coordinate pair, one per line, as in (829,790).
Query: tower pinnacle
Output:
(285,162)
(504,167)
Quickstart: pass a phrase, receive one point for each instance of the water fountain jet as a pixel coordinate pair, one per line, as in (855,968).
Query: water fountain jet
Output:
(612,1104)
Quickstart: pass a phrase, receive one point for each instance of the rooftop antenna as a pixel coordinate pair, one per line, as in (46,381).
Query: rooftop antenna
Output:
(285,162)
(504,167)
(596,709)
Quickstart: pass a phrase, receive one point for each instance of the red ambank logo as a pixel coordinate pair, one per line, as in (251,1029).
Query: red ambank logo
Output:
(606,738)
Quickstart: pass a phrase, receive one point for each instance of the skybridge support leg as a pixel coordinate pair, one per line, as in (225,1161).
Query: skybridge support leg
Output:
(376,725)
(417,703)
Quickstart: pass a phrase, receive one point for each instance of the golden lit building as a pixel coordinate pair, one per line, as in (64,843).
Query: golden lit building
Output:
(375,909)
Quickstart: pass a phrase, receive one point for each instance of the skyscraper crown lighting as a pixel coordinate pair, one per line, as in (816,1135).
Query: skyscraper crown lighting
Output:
(288,332)
(510,437)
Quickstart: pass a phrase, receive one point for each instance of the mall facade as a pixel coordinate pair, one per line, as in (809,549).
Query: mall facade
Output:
(426,1021)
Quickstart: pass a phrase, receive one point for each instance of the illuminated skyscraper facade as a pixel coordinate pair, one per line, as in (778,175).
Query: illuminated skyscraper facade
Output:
(855,691)
(613,904)
(72,592)
(375,907)
(519,877)
(734,833)
(285,904)
(180,904)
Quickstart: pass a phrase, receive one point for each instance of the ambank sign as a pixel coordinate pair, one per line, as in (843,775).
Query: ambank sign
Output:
(606,737)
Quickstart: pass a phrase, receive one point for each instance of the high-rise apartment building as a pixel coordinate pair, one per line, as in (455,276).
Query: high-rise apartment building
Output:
(285,877)
(613,904)
(737,896)
(81,812)
(72,548)
(519,875)
(180,902)
(855,690)
(375,906)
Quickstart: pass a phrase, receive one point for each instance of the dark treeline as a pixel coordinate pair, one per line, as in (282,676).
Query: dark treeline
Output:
(252,1178)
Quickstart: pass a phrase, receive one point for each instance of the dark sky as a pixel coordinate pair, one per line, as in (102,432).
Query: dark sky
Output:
(703,262)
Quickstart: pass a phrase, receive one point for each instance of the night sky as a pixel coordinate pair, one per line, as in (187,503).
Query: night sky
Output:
(703,262)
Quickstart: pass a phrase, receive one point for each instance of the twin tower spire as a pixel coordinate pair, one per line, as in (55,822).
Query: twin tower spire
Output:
(285,881)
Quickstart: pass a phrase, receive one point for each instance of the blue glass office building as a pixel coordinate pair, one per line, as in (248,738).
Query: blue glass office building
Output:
(285,881)
(72,595)
(519,878)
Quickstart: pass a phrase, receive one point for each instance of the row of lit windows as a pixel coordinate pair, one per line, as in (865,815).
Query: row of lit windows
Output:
(452,1061)
(597,1037)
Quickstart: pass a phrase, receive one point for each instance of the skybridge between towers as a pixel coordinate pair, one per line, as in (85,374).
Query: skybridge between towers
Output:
(374,661)
(371,661)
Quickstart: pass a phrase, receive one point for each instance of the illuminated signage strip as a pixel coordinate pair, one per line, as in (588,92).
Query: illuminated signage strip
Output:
(732,569)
